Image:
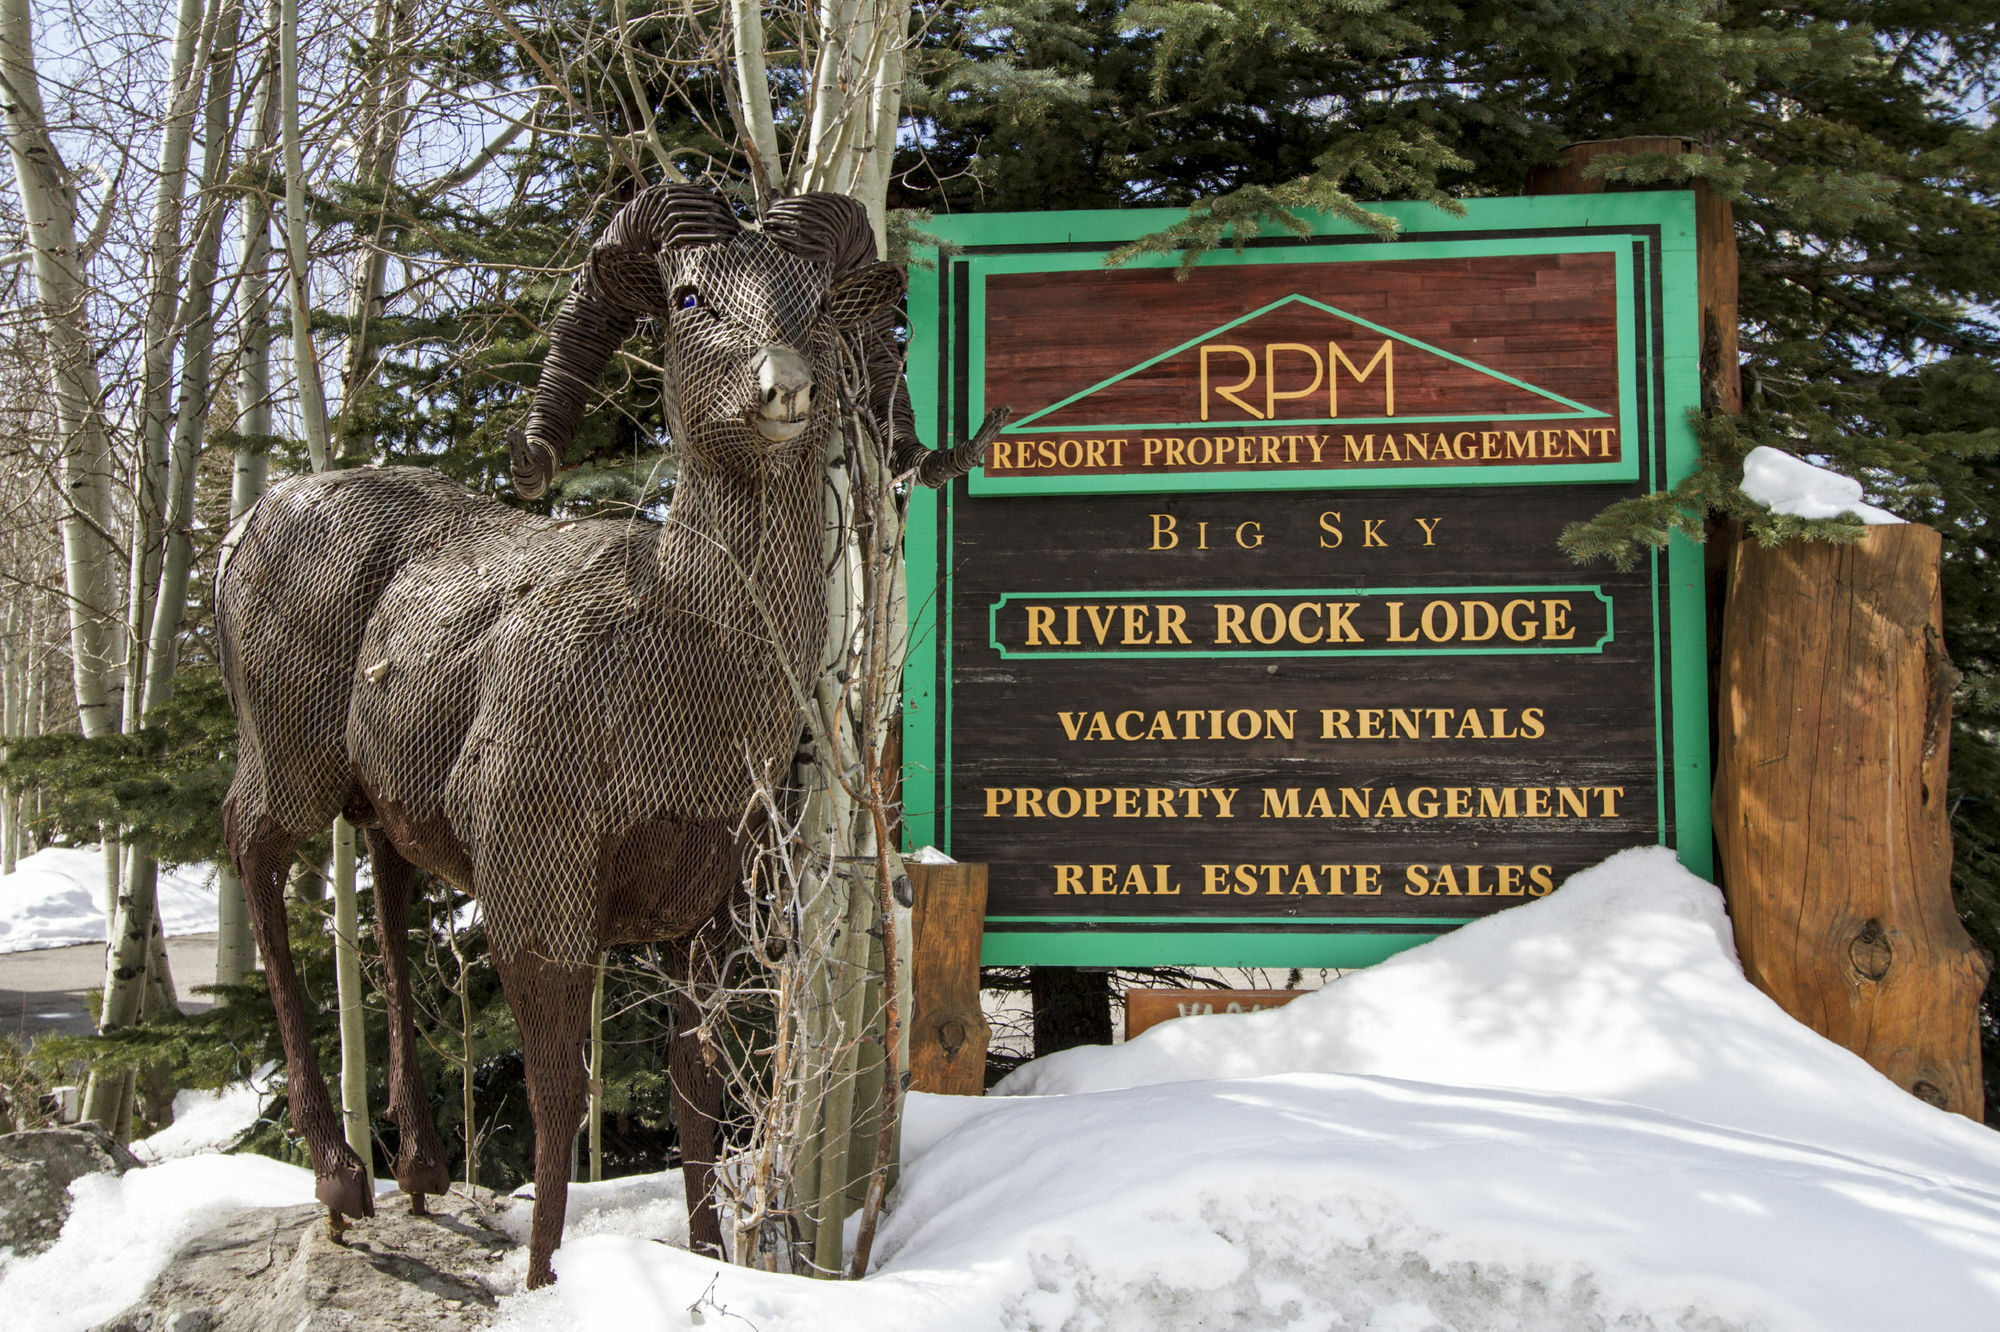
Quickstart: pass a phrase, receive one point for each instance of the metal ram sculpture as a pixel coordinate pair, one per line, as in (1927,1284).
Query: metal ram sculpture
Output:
(561,718)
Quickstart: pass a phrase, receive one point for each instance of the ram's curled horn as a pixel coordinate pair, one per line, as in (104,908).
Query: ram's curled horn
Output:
(619,283)
(831,229)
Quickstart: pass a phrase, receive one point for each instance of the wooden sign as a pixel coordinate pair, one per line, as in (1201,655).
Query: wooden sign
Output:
(1149,1008)
(1252,643)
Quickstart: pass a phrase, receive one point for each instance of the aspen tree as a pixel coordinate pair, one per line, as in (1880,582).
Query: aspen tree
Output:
(48,199)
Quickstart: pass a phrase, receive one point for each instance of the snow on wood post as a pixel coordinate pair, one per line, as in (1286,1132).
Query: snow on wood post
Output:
(948,1032)
(1834,720)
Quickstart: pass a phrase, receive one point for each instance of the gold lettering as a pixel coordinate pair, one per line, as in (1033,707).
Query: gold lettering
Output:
(1229,624)
(1250,363)
(1396,634)
(1271,395)
(1042,626)
(1555,616)
(1384,356)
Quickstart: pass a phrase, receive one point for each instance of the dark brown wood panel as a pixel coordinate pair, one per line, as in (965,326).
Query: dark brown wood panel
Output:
(1529,766)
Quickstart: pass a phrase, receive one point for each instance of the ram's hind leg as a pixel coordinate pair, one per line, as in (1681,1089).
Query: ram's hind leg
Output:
(263,856)
(551,1003)
(420,1160)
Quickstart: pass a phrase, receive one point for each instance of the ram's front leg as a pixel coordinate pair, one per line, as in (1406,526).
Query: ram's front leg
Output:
(551,1003)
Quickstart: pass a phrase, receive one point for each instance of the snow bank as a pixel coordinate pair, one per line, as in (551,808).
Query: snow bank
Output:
(1574,1114)
(206,1121)
(56,897)
(1785,484)
(123,1228)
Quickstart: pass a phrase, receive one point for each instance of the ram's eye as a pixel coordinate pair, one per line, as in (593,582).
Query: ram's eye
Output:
(686,298)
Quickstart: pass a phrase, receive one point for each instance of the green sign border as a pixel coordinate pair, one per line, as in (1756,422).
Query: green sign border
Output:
(1627,224)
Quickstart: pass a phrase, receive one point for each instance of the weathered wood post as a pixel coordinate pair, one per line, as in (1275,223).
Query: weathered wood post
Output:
(948,1033)
(1835,730)
(1833,708)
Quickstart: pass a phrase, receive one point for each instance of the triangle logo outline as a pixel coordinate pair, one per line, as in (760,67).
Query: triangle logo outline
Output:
(1576,410)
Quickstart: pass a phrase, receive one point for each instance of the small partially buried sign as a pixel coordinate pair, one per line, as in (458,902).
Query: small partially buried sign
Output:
(1145,1009)
(1253,643)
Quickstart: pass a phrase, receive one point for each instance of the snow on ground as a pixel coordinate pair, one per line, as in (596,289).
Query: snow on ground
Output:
(56,897)
(1785,484)
(207,1121)
(122,1229)
(1575,1114)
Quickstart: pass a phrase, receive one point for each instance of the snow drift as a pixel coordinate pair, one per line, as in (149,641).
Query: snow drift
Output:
(56,897)
(1575,1114)
(1785,484)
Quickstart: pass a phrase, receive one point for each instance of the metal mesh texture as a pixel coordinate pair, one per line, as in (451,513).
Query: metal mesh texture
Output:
(565,719)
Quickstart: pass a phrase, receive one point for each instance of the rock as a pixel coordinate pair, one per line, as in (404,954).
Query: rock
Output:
(279,1271)
(36,1168)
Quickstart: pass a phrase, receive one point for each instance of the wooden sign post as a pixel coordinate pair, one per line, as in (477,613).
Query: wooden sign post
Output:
(1835,722)
(948,1032)
(1252,643)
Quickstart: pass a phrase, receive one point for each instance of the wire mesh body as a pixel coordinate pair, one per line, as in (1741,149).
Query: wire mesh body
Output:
(568,719)
(560,718)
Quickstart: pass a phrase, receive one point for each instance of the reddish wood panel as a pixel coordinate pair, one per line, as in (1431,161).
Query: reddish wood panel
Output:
(1434,351)
(1149,1008)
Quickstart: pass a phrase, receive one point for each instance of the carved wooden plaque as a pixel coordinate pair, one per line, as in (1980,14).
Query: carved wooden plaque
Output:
(1252,643)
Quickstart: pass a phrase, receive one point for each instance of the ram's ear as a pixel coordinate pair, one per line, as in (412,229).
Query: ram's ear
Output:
(865,293)
(629,279)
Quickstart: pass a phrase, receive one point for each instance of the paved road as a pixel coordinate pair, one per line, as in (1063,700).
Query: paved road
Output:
(43,990)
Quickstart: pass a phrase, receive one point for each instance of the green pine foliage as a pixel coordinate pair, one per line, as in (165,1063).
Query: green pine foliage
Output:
(165,783)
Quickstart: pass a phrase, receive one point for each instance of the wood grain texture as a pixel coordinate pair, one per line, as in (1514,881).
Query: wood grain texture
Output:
(1149,1008)
(948,1032)
(1715,255)
(1830,813)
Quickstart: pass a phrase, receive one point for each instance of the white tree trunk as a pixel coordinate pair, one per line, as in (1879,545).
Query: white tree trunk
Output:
(13,697)
(347,975)
(253,366)
(159,334)
(235,944)
(305,360)
(756,124)
(383,115)
(50,208)
(857,102)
